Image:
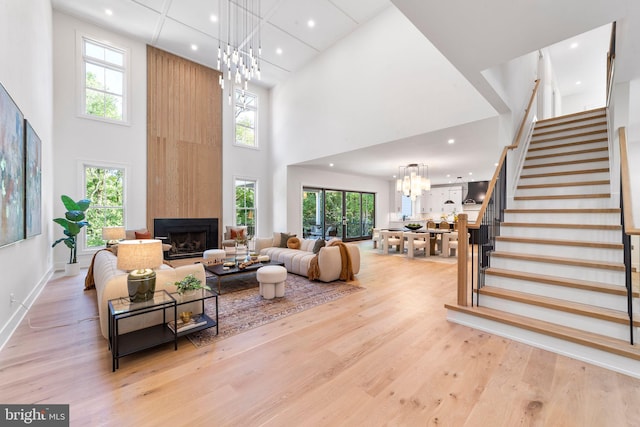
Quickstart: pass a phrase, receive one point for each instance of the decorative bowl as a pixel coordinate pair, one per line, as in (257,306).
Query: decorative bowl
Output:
(413,227)
(186,316)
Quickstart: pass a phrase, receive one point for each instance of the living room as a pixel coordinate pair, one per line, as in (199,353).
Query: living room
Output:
(39,44)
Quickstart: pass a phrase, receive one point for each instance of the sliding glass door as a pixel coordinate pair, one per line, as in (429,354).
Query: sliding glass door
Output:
(348,215)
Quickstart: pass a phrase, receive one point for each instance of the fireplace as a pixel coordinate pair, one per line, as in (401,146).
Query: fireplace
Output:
(188,237)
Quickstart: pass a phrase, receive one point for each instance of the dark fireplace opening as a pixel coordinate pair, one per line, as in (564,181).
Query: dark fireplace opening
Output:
(188,237)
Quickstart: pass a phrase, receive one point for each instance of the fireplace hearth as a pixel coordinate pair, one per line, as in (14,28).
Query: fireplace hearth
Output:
(188,237)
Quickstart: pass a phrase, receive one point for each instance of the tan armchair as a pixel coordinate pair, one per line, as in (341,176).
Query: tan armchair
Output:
(234,234)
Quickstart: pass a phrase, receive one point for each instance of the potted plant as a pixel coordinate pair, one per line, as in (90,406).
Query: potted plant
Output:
(73,222)
(190,283)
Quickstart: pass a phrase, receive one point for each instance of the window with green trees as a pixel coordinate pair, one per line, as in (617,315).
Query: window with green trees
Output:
(246,204)
(104,186)
(104,71)
(246,118)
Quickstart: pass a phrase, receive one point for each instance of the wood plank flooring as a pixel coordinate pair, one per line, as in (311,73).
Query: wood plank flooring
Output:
(384,356)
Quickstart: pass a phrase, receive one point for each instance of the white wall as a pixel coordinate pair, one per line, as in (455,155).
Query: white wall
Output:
(79,140)
(25,72)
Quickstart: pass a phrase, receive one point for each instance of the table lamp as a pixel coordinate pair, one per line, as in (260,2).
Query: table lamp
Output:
(112,235)
(140,257)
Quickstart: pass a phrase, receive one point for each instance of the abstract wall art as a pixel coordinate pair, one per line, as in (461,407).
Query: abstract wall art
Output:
(33,173)
(12,184)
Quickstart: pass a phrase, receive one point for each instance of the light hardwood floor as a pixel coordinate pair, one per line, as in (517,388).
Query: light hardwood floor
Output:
(383,356)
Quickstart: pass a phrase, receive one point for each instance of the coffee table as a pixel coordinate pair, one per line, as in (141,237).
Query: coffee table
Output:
(219,272)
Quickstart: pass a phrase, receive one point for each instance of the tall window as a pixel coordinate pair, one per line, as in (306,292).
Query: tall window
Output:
(104,75)
(246,118)
(246,204)
(105,188)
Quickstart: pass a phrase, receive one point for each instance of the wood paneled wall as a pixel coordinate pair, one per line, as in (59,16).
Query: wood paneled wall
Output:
(184,139)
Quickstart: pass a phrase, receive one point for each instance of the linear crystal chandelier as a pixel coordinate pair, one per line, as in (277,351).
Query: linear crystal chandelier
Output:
(412,179)
(239,61)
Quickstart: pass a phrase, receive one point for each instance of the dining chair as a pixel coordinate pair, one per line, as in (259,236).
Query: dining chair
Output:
(375,237)
(416,242)
(393,238)
(444,225)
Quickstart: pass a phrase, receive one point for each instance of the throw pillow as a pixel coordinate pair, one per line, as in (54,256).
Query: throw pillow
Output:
(319,244)
(284,237)
(293,243)
(143,235)
(237,233)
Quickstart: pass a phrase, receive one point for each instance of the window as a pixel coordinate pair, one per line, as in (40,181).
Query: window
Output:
(104,79)
(104,186)
(246,118)
(246,204)
(407,207)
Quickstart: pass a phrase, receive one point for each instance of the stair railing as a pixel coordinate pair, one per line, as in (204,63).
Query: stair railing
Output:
(486,227)
(611,62)
(628,227)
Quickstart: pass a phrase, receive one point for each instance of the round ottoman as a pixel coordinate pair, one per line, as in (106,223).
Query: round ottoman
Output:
(216,255)
(271,279)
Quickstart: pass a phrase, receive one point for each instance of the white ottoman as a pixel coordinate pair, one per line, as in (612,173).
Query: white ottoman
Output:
(216,255)
(271,278)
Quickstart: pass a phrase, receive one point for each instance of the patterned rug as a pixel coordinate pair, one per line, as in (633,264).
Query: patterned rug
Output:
(245,309)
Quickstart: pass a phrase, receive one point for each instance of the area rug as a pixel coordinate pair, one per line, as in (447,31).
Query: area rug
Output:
(245,309)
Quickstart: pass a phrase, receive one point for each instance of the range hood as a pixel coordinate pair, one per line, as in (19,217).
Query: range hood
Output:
(476,192)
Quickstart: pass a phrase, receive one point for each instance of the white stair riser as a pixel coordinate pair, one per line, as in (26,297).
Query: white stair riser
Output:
(568,133)
(582,235)
(563,218)
(569,157)
(556,179)
(578,252)
(554,149)
(561,191)
(565,168)
(585,323)
(612,277)
(593,115)
(596,120)
(586,203)
(550,142)
(599,299)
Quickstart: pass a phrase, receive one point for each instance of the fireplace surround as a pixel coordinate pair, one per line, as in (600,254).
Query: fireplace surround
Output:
(188,237)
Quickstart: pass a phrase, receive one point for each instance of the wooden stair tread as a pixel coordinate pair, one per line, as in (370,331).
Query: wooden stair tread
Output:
(567,129)
(540,124)
(569,162)
(602,313)
(567,153)
(616,266)
(565,196)
(560,242)
(589,114)
(564,173)
(565,184)
(566,211)
(589,339)
(575,135)
(568,144)
(558,225)
(561,281)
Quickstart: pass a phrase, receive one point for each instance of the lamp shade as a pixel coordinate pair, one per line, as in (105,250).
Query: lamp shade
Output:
(139,254)
(113,233)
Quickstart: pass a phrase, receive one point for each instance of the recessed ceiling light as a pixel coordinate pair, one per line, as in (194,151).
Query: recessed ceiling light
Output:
(311,23)
(495,164)
(578,82)
(194,47)
(213,18)
(574,45)
(330,165)
(448,175)
(470,173)
(451,141)
(393,176)
(108,12)
(279,51)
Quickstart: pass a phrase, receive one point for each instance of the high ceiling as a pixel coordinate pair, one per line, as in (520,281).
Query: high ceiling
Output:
(289,43)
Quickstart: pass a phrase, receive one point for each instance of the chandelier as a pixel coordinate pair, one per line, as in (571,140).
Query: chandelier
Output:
(412,179)
(239,61)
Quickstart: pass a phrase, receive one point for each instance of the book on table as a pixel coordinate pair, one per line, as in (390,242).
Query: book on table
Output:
(194,322)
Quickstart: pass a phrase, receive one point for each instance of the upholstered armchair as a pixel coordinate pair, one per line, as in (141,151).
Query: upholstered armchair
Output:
(417,241)
(234,234)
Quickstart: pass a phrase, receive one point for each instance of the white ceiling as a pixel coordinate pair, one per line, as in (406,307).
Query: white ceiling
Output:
(176,25)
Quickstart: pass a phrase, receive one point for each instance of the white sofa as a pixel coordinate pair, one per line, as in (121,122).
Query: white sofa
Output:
(297,261)
(111,283)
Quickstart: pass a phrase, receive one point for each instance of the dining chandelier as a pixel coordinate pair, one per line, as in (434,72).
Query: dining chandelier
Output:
(239,61)
(412,179)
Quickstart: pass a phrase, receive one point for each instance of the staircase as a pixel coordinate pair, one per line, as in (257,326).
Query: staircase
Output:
(557,277)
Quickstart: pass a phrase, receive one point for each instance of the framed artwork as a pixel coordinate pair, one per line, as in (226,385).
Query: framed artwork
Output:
(33,173)
(12,184)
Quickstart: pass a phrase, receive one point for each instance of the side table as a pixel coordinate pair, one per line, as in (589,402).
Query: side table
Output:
(199,295)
